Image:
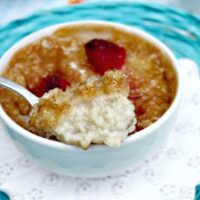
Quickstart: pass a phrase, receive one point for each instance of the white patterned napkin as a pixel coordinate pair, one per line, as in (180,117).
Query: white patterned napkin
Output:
(170,174)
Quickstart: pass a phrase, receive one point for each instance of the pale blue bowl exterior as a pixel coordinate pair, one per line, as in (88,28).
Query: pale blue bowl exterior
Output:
(98,160)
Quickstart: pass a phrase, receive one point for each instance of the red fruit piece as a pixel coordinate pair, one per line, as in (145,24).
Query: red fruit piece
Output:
(50,82)
(104,55)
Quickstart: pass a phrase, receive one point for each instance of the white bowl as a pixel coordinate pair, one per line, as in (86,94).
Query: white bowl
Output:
(98,160)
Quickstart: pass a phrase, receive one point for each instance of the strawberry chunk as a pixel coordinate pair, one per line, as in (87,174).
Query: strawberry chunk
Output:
(48,83)
(104,55)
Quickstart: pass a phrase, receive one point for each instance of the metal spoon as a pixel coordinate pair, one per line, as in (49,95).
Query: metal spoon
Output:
(8,84)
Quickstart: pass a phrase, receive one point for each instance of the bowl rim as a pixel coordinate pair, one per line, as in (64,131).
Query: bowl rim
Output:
(131,138)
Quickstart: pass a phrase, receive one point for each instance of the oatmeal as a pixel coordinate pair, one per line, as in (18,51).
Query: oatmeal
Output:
(94,112)
(63,60)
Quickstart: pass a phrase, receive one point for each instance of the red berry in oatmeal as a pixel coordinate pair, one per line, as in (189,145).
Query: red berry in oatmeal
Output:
(104,55)
(50,82)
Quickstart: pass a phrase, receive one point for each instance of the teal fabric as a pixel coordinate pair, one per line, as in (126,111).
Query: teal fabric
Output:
(4,196)
(178,29)
(197,193)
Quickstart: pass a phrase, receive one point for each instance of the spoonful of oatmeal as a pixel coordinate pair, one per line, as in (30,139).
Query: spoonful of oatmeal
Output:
(97,111)
(8,84)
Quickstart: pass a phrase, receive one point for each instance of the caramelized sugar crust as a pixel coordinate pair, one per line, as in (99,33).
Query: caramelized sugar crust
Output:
(152,78)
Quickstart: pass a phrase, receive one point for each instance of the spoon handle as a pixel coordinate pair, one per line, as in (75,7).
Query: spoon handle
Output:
(8,84)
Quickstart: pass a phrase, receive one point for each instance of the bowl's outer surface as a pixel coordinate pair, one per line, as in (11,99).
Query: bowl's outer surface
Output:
(108,161)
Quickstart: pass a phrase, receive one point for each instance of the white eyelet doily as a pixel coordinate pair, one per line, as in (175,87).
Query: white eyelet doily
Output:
(170,174)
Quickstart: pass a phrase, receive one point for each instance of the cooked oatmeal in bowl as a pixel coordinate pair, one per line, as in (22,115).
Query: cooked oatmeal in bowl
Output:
(98,83)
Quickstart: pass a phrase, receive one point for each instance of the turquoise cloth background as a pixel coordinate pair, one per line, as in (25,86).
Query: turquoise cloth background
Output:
(4,196)
(13,9)
(197,193)
(178,29)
